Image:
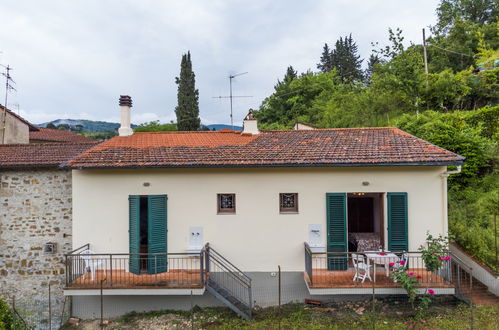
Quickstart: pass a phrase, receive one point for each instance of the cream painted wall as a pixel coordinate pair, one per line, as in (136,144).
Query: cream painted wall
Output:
(257,237)
(15,130)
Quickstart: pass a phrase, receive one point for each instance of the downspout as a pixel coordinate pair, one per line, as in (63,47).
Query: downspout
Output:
(445,219)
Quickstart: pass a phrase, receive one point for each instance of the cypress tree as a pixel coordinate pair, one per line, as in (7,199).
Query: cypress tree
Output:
(187,109)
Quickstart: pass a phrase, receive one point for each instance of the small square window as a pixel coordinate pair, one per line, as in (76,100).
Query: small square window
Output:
(226,203)
(288,202)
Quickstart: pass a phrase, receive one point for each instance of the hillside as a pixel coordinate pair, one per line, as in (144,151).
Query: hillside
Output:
(86,125)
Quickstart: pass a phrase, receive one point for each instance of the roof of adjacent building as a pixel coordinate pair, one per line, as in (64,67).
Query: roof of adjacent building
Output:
(30,155)
(302,148)
(21,119)
(56,135)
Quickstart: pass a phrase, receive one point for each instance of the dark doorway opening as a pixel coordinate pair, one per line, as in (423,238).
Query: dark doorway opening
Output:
(144,232)
(365,221)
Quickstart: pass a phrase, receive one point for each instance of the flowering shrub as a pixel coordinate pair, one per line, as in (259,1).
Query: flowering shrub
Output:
(434,254)
(407,280)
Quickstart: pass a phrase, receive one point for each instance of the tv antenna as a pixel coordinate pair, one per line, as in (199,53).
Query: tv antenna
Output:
(8,87)
(230,97)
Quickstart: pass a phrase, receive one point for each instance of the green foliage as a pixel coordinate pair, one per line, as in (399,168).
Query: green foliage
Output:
(155,126)
(472,213)
(453,131)
(101,136)
(8,319)
(344,58)
(187,109)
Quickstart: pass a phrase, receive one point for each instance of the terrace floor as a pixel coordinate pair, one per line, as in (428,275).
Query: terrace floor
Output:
(122,279)
(323,278)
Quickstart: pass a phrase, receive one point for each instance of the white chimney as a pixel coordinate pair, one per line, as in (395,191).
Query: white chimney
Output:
(125,105)
(250,124)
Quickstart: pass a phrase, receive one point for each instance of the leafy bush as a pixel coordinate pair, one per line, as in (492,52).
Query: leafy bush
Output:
(8,319)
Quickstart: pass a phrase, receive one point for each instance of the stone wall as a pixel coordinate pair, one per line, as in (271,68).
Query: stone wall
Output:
(35,209)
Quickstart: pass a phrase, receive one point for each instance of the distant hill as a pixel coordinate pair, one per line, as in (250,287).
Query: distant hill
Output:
(218,127)
(87,125)
(103,126)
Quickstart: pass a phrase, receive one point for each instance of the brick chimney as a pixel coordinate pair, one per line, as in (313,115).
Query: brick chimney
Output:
(126,106)
(250,124)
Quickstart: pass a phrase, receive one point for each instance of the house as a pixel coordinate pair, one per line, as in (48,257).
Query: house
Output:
(35,214)
(170,219)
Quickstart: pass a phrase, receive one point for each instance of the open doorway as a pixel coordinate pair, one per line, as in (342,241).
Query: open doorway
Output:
(144,233)
(365,221)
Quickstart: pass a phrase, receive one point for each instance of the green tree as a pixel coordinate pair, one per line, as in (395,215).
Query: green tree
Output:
(346,60)
(187,109)
(325,64)
(155,126)
(51,125)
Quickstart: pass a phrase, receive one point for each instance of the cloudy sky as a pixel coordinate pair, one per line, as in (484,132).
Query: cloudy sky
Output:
(72,59)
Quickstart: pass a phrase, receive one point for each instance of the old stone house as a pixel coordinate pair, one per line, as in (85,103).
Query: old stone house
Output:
(35,214)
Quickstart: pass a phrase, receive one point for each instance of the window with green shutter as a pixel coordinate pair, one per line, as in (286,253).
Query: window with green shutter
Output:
(337,230)
(397,221)
(134,233)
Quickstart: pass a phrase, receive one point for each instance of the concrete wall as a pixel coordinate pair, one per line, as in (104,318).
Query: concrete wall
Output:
(481,273)
(257,237)
(265,293)
(15,130)
(35,208)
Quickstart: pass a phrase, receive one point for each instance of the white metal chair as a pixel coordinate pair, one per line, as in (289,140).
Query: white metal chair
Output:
(92,263)
(360,265)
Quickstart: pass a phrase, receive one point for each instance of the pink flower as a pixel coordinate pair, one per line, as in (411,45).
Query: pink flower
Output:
(434,252)
(447,258)
(442,258)
(402,262)
(411,274)
(391,264)
(419,277)
(431,292)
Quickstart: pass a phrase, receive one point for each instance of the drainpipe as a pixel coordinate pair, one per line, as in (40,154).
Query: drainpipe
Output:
(445,220)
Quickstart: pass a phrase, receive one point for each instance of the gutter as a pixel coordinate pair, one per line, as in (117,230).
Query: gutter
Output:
(445,206)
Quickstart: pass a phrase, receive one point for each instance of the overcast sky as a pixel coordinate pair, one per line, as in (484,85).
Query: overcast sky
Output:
(72,59)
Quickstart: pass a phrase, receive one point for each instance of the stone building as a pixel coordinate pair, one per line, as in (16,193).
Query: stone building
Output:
(35,217)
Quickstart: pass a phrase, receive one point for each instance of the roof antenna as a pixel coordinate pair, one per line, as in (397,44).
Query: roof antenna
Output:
(232,76)
(8,87)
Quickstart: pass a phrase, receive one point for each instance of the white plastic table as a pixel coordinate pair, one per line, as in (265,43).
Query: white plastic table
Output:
(379,259)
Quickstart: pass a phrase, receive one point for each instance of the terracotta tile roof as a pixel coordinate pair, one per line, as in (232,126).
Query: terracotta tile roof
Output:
(320,147)
(39,154)
(57,135)
(13,114)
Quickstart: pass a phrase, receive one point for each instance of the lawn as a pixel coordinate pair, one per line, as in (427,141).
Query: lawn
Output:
(388,314)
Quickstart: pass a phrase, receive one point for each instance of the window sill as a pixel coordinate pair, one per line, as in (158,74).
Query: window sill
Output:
(289,212)
(226,213)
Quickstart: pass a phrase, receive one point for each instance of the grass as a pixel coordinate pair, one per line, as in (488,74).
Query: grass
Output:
(354,315)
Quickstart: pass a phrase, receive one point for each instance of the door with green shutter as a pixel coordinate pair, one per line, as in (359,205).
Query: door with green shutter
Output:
(134,233)
(152,225)
(336,205)
(157,234)
(397,221)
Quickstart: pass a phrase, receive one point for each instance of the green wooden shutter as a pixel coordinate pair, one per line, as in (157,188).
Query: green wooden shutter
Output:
(157,234)
(397,222)
(337,230)
(134,233)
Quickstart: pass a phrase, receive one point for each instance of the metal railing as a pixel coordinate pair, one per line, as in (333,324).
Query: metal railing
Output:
(128,270)
(338,269)
(228,281)
(461,276)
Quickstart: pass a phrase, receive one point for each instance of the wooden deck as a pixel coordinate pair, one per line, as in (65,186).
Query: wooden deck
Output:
(323,278)
(122,279)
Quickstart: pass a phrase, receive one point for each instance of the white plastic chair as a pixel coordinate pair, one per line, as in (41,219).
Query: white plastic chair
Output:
(359,263)
(92,263)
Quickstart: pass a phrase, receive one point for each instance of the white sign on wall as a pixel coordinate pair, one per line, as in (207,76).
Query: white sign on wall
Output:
(195,238)
(315,238)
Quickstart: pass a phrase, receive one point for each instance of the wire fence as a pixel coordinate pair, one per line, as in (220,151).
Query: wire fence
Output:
(47,310)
